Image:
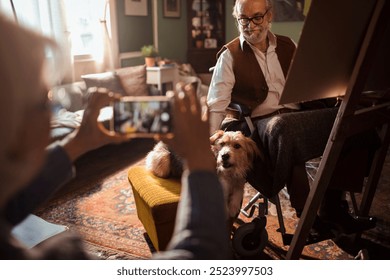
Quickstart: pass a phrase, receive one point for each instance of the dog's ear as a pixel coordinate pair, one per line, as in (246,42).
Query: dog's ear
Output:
(218,134)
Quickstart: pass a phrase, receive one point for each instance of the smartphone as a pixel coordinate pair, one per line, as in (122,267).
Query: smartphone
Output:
(143,116)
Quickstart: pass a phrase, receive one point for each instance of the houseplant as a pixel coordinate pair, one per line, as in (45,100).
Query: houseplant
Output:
(150,53)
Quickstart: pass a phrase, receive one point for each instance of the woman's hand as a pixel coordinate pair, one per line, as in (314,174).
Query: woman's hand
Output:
(191,130)
(92,134)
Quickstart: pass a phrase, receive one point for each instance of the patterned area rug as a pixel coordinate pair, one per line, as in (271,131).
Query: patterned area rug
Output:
(275,249)
(104,214)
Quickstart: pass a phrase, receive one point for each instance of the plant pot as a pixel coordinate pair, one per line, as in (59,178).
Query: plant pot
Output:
(150,61)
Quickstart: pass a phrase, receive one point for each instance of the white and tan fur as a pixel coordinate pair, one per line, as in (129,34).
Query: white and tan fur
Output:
(234,154)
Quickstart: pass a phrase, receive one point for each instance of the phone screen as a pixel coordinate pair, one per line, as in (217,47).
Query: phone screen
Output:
(143,116)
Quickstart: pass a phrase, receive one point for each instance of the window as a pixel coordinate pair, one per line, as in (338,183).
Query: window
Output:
(74,21)
(83,22)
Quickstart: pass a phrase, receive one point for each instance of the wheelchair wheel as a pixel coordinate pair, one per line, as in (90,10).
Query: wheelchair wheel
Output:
(250,239)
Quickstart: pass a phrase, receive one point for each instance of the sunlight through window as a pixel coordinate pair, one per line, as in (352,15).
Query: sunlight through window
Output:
(83,22)
(58,19)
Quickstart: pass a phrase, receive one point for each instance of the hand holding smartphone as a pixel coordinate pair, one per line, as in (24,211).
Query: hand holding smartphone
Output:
(143,116)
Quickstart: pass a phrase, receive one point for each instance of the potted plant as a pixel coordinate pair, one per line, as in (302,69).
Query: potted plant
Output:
(150,53)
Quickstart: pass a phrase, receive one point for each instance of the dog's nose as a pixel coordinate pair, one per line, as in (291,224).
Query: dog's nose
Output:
(225,157)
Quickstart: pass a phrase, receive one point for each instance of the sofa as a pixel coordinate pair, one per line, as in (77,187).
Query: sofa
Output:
(69,100)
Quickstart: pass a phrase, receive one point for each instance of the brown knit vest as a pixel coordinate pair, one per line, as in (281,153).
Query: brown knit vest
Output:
(250,87)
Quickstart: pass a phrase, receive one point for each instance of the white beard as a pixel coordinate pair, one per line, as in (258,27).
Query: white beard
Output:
(255,35)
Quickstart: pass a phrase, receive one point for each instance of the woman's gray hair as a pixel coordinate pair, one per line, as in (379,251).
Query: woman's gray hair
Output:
(23,61)
(235,15)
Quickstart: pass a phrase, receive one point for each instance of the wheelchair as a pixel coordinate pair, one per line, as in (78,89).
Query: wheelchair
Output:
(250,239)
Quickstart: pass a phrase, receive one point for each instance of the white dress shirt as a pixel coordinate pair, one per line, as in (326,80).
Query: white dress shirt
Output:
(223,80)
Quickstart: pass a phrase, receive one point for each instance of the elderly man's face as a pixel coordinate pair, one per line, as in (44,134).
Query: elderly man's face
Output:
(253,33)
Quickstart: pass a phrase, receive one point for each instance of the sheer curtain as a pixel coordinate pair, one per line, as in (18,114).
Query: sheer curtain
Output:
(109,55)
(107,62)
(81,28)
(46,17)
(88,22)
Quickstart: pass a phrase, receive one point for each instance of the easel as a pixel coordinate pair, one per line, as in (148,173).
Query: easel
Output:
(350,121)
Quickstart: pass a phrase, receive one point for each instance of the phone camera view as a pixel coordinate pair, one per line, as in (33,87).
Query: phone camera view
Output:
(142,116)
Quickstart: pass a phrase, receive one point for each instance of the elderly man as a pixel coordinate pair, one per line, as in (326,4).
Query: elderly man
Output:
(251,70)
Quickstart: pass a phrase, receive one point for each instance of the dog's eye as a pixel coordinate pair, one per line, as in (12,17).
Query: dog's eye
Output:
(222,144)
(237,146)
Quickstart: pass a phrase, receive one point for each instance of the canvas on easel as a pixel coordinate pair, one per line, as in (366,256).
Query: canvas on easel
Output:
(327,50)
(339,45)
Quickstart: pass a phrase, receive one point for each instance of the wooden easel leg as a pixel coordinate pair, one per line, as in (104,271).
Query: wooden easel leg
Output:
(314,199)
(375,172)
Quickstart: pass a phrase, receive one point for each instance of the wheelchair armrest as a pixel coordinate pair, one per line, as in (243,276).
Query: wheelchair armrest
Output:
(242,109)
(243,113)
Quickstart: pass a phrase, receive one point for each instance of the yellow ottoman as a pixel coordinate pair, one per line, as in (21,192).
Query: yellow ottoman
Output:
(156,201)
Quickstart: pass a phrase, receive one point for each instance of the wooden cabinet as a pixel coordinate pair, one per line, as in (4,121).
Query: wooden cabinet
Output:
(206,32)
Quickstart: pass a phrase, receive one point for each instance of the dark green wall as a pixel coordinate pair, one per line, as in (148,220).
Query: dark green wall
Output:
(172,34)
(133,31)
(291,29)
(231,29)
(136,31)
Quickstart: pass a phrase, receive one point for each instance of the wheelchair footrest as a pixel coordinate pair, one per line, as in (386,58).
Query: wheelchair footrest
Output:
(314,237)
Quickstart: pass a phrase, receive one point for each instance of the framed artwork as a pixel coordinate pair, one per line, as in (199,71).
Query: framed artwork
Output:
(171,8)
(210,43)
(136,7)
(291,10)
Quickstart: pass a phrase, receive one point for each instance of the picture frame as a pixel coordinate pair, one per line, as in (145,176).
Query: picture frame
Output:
(290,10)
(210,43)
(171,9)
(136,7)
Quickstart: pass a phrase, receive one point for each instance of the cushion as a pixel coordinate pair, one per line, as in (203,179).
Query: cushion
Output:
(69,96)
(108,80)
(133,80)
(156,200)
(64,122)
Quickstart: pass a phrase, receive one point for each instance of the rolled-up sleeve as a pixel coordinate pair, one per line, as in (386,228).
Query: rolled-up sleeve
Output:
(220,90)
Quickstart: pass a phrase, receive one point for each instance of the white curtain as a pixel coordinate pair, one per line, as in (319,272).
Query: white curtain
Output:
(107,63)
(46,17)
(88,22)
(79,27)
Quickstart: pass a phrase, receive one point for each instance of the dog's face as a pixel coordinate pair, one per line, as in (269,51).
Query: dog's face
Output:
(234,153)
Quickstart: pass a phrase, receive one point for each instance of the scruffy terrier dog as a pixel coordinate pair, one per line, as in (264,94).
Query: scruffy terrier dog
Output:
(234,154)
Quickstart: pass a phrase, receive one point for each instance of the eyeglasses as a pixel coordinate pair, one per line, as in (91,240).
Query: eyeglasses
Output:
(257,20)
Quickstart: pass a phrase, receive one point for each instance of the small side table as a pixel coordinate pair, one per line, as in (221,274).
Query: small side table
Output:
(165,77)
